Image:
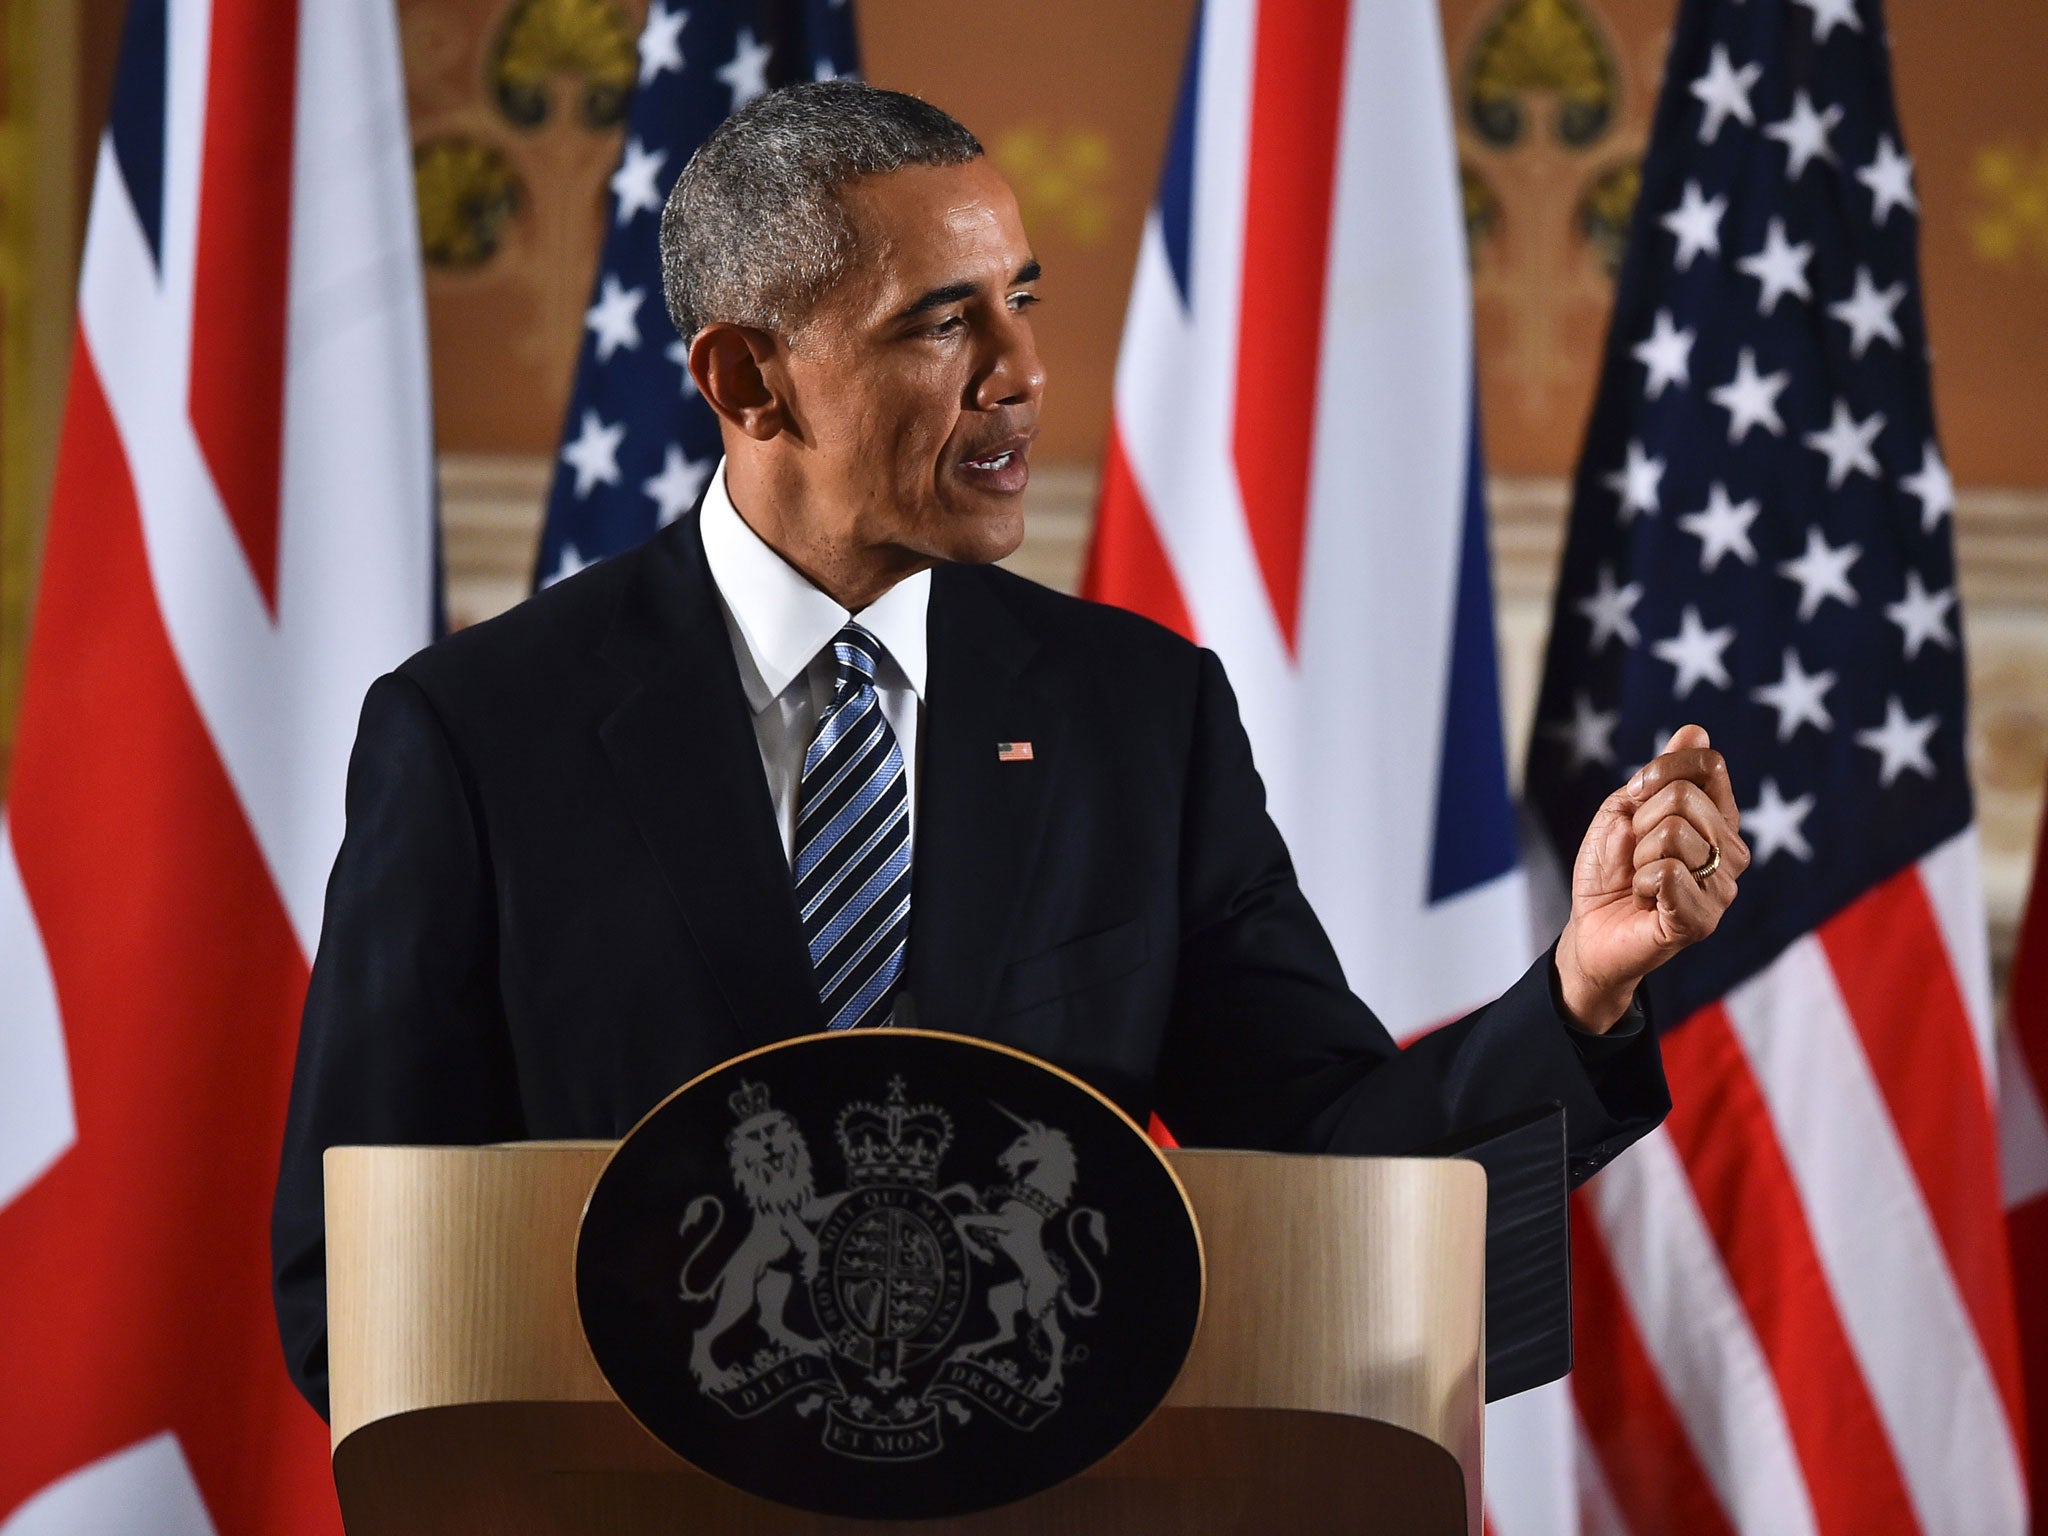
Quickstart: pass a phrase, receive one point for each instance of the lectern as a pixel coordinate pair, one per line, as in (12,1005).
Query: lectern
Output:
(1335,1383)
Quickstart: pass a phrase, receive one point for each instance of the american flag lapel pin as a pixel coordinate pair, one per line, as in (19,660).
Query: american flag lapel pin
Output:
(1013,751)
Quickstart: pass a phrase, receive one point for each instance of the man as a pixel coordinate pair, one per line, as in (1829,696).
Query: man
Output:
(807,760)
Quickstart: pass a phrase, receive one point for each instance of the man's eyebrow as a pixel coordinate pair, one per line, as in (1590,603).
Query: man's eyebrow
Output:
(953,293)
(938,298)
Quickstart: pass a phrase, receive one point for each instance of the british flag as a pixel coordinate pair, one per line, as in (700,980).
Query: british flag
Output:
(1293,479)
(240,540)
(639,444)
(1794,1308)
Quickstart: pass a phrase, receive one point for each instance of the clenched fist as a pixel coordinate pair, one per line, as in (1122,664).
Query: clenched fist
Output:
(1657,869)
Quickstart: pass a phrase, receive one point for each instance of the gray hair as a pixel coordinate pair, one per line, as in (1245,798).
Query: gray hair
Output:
(753,232)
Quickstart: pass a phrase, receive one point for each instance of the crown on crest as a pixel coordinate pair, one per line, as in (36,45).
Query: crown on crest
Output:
(894,1143)
(748,1100)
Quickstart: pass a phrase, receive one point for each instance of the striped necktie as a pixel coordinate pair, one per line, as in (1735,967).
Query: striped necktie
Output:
(852,864)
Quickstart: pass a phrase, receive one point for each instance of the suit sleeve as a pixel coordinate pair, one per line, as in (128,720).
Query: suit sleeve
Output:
(1269,1048)
(403,1037)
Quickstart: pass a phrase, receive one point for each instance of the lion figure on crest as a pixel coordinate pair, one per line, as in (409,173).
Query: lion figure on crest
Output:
(1041,1167)
(771,1167)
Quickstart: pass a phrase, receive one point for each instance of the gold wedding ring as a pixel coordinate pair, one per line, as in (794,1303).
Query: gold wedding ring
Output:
(1713,863)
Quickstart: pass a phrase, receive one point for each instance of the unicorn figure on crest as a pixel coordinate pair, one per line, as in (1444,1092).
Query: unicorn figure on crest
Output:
(1040,1165)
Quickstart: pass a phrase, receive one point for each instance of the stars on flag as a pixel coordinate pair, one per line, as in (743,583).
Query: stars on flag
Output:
(1636,482)
(1667,354)
(1848,444)
(594,454)
(1870,313)
(1723,92)
(638,442)
(1900,743)
(1696,223)
(1830,14)
(1931,486)
(1798,696)
(1805,135)
(661,41)
(681,481)
(568,565)
(1696,652)
(1588,735)
(1890,179)
(615,318)
(1774,825)
(1822,571)
(1609,610)
(1922,616)
(634,184)
(1757,541)
(1751,398)
(1722,527)
(746,74)
(1780,268)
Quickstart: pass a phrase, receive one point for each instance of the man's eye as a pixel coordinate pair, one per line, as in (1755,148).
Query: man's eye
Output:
(1023,300)
(947,326)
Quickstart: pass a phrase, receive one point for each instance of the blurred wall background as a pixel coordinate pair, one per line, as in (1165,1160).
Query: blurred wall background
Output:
(516,106)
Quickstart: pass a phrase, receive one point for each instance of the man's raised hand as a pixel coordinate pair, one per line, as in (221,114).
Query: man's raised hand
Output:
(1657,869)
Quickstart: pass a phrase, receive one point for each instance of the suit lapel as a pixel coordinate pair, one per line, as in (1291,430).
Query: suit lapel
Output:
(682,746)
(978,818)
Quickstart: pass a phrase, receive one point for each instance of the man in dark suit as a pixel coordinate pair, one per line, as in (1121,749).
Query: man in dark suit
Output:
(769,774)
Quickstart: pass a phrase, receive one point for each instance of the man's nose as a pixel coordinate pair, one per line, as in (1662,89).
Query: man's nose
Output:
(1012,374)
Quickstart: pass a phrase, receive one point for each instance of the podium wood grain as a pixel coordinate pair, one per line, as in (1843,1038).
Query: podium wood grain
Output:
(1335,1384)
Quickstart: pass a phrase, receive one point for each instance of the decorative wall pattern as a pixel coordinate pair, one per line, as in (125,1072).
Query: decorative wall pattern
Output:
(41,150)
(2010,227)
(1062,180)
(1553,111)
(516,112)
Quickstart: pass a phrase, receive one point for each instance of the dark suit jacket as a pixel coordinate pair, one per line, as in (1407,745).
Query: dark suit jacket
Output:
(562,893)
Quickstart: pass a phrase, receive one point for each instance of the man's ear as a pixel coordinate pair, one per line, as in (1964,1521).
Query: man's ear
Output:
(737,368)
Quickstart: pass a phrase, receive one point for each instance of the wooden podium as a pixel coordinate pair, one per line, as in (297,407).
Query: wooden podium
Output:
(1335,1385)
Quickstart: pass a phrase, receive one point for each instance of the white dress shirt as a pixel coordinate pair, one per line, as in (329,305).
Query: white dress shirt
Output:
(782,629)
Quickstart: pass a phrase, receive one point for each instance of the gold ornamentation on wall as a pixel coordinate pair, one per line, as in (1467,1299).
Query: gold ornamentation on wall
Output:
(1061,181)
(1551,125)
(1481,204)
(468,192)
(2011,223)
(1605,208)
(589,40)
(1541,47)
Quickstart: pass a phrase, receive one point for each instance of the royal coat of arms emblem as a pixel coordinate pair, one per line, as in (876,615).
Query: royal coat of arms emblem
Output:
(860,1318)
(885,1264)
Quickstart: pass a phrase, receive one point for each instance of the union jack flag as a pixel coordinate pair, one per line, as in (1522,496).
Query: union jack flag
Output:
(240,541)
(1795,1312)
(1293,479)
(639,443)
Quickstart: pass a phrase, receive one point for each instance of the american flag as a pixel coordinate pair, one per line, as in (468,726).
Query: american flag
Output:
(240,541)
(1795,1313)
(639,443)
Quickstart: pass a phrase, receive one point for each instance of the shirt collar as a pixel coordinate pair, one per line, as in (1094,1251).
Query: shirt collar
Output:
(783,621)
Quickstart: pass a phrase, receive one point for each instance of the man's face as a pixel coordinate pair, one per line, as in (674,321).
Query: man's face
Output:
(915,381)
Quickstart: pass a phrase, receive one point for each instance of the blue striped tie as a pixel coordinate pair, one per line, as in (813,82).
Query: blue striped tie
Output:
(853,845)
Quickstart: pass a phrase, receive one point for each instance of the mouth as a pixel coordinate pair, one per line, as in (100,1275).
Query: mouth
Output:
(1003,468)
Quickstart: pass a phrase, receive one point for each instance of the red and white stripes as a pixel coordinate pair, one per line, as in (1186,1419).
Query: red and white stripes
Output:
(1811,1324)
